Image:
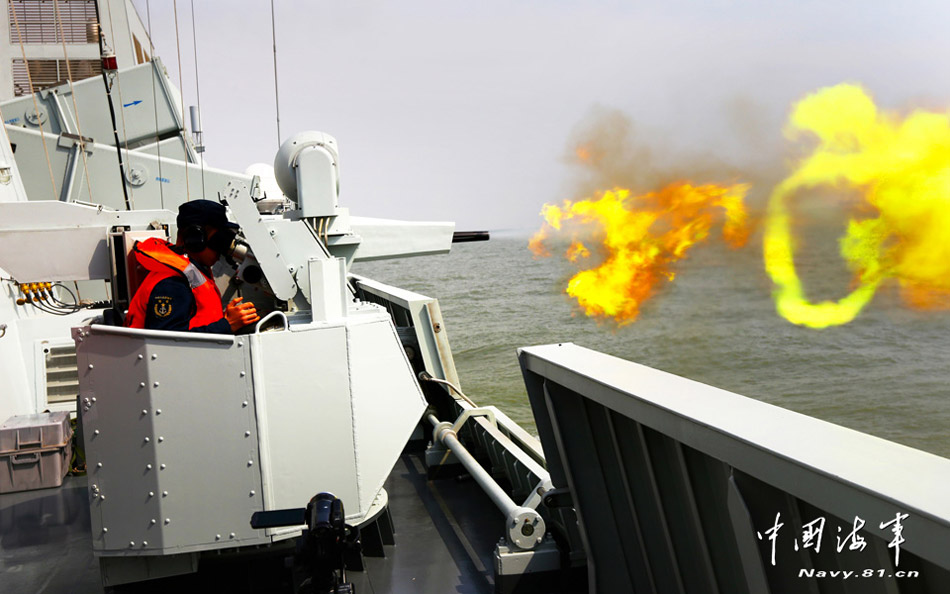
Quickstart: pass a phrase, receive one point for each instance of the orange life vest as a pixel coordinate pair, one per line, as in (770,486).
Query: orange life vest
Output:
(161,262)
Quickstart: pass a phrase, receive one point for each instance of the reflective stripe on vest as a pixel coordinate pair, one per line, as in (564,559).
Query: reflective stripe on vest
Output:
(156,256)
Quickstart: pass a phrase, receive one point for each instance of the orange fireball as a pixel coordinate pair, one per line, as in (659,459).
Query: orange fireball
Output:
(641,237)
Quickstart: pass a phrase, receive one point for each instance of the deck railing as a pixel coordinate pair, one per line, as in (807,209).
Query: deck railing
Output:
(682,487)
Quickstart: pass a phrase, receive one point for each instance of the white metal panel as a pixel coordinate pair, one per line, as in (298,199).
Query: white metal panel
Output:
(383,238)
(171,440)
(387,401)
(328,289)
(306,416)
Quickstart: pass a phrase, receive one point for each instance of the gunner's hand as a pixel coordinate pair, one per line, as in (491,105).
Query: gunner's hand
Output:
(240,314)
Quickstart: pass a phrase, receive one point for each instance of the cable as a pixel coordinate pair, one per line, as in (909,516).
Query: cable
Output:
(75,302)
(36,107)
(194,40)
(158,144)
(130,196)
(273,31)
(424,376)
(181,85)
(72,94)
(115,133)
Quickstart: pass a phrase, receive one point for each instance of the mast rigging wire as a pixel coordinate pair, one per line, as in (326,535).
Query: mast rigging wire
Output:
(181,85)
(108,86)
(194,40)
(273,32)
(118,83)
(36,107)
(158,144)
(72,95)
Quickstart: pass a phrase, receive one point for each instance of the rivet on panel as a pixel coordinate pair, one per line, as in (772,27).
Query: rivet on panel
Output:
(102,497)
(162,467)
(243,374)
(148,466)
(244,403)
(252,494)
(93,398)
(96,432)
(168,521)
(164,493)
(144,543)
(155,384)
(154,356)
(144,411)
(90,366)
(161,439)
(99,465)
(154,521)
(158,411)
(231,535)
(217,537)
(131,543)
(141,356)
(147,440)
(247,434)
(104,529)
(151,494)
(250,462)
(141,384)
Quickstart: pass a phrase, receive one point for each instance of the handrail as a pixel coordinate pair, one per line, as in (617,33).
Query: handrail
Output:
(678,482)
(162,334)
(257,327)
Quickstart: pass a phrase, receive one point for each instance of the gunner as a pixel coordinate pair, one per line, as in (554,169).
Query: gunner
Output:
(179,292)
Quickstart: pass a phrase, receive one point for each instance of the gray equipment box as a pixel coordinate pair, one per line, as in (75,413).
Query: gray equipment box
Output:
(34,451)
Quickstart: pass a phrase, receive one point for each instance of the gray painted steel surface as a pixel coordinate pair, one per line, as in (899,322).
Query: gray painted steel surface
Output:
(680,487)
(172,454)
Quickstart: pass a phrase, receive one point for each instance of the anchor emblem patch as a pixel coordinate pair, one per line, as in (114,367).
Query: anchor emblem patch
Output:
(163,307)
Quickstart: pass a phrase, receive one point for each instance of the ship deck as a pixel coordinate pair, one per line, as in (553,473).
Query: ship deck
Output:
(446,530)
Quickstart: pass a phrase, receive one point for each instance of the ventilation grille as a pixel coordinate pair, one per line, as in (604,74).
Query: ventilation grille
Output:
(38,22)
(62,375)
(50,73)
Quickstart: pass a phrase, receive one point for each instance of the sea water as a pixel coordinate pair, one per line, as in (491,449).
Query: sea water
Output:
(885,373)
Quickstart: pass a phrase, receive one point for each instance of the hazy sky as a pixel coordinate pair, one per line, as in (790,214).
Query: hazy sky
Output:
(466,111)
